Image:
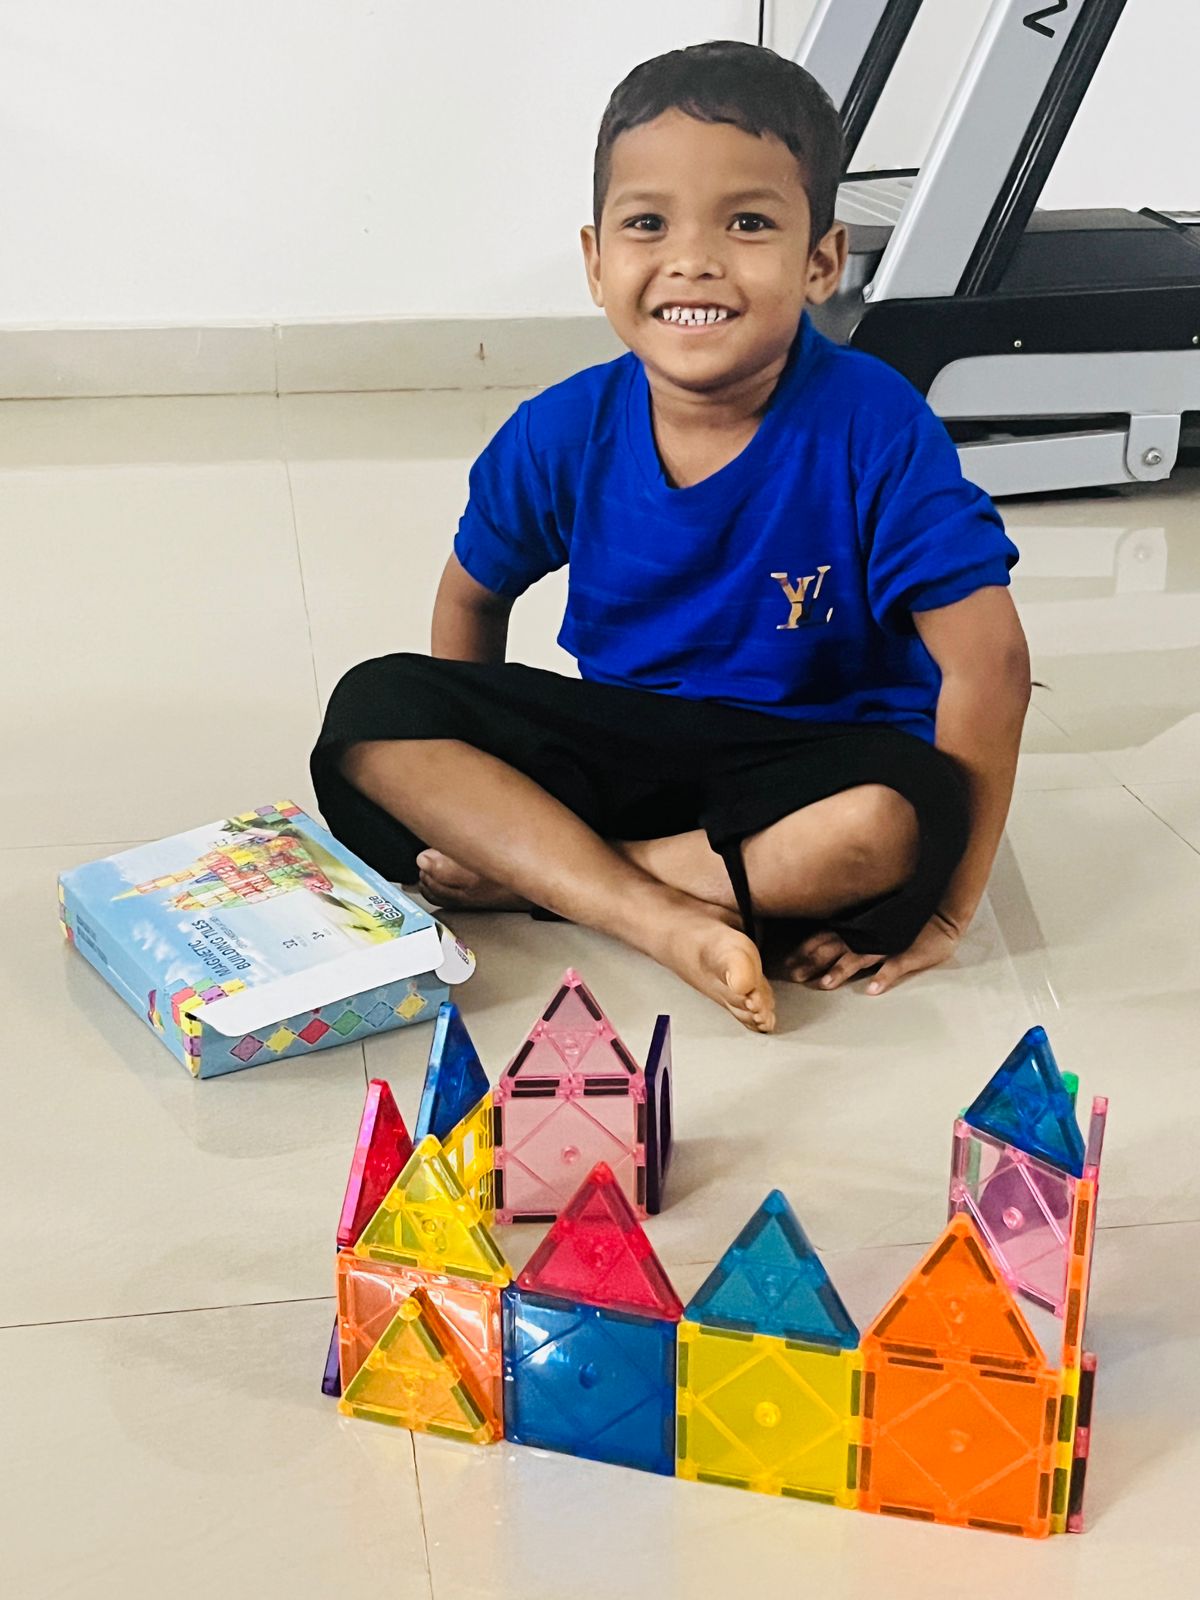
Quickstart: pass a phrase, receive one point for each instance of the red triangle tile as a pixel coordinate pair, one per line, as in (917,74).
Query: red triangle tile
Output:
(380,1153)
(598,1254)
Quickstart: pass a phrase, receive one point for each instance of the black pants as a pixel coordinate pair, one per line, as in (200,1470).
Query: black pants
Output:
(637,765)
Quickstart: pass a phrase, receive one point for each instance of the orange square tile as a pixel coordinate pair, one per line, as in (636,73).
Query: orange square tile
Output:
(959,1443)
(370,1293)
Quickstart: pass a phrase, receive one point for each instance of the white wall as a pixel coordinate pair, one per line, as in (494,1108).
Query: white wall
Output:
(282,159)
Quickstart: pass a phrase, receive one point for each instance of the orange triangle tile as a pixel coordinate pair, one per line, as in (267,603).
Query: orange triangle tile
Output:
(956,1307)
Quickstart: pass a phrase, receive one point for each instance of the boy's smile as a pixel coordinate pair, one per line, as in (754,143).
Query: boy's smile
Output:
(703,263)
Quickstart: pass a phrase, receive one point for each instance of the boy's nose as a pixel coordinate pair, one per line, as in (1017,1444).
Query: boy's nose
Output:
(694,256)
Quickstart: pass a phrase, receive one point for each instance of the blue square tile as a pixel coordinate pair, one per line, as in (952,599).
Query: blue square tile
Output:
(589,1382)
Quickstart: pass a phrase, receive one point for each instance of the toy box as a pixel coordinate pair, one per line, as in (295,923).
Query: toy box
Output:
(258,937)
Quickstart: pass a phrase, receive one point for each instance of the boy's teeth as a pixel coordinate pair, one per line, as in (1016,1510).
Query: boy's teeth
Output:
(693,314)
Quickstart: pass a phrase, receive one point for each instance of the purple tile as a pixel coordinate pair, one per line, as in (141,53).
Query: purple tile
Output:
(331,1383)
(246,1049)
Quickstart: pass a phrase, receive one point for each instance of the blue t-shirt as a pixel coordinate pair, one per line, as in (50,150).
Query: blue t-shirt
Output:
(784,583)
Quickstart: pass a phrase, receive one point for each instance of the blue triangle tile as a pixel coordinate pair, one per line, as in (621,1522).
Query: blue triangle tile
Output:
(771,1281)
(455,1081)
(1027,1104)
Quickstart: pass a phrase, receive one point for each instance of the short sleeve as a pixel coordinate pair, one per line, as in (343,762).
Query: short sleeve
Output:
(508,536)
(930,536)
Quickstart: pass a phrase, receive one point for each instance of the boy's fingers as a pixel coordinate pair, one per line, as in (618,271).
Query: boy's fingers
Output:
(815,955)
(889,973)
(845,969)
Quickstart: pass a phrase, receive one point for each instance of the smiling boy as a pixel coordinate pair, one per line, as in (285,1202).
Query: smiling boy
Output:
(803,679)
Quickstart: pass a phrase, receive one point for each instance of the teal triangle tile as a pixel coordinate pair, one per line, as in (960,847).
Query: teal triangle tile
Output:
(772,1281)
(1027,1104)
(455,1081)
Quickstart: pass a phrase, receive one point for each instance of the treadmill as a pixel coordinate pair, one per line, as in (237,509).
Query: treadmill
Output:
(1061,348)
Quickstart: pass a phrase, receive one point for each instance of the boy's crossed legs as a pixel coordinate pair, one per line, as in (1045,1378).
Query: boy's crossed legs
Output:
(497,838)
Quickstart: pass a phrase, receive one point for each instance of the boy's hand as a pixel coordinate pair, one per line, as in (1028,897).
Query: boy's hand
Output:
(825,962)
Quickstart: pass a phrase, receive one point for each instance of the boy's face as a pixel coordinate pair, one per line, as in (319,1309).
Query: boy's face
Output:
(704,215)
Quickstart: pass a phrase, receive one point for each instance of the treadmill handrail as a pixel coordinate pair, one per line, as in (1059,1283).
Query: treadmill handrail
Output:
(851,51)
(1039,149)
(977,143)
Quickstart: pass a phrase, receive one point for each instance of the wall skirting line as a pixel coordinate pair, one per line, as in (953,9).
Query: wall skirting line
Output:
(301,357)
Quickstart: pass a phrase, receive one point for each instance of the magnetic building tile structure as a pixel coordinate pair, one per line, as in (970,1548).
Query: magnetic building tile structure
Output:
(947,1410)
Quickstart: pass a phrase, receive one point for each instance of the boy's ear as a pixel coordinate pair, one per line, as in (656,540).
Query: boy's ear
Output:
(591,262)
(826,264)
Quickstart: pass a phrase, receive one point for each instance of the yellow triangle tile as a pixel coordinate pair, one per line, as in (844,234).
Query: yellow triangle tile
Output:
(413,1379)
(428,1220)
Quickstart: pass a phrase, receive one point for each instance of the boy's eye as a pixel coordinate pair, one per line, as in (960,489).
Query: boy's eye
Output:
(647,223)
(751,222)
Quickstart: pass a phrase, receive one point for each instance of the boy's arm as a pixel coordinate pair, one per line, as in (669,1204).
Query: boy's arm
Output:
(470,623)
(979,645)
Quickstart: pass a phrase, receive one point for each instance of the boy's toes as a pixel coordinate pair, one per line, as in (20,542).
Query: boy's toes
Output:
(446,883)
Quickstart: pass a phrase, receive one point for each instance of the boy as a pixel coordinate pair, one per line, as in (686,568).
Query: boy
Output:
(803,678)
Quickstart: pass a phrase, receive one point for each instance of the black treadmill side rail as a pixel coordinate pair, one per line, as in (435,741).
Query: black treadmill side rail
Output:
(1040,146)
(874,70)
(921,337)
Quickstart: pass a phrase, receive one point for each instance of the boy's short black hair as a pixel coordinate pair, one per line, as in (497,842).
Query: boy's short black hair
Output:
(746,85)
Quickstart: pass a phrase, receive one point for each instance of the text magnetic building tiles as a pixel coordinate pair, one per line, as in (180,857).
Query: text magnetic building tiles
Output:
(658,1114)
(455,1081)
(1026,1104)
(1026,1209)
(572,1095)
(948,1410)
(769,1414)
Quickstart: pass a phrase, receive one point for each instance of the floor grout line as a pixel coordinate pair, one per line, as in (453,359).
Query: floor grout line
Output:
(1146,806)
(308,624)
(421,1514)
(170,1311)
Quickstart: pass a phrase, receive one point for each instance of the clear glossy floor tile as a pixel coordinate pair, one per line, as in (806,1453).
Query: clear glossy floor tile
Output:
(379,483)
(1177,804)
(1049,760)
(545,1525)
(129,1185)
(194,1455)
(1109,591)
(1093,887)
(158,668)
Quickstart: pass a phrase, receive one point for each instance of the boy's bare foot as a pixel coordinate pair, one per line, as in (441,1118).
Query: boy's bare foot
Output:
(720,961)
(705,950)
(444,882)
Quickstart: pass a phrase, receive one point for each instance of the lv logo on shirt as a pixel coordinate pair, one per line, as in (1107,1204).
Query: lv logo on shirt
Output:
(799,598)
